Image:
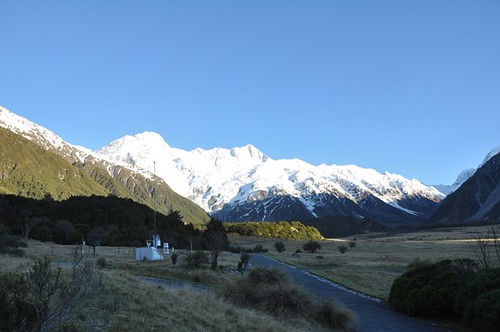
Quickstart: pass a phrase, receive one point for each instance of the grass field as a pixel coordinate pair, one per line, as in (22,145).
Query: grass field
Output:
(377,259)
(124,303)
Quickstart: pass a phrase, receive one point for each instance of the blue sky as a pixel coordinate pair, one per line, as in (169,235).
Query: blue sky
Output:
(409,87)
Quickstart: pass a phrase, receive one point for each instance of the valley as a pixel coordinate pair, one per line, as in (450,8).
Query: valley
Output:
(370,267)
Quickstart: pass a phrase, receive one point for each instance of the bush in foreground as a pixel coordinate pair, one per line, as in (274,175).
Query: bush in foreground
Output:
(479,300)
(270,290)
(430,289)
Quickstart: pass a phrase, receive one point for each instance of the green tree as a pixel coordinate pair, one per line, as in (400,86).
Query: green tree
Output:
(311,246)
(215,240)
(280,246)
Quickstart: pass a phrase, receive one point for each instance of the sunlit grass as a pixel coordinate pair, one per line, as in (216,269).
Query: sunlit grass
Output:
(377,259)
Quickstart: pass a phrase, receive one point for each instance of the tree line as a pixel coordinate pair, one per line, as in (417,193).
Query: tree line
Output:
(96,219)
(278,230)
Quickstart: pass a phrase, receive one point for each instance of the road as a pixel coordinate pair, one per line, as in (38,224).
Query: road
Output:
(373,314)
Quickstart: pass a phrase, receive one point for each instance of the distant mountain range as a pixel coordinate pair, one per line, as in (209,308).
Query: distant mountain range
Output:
(243,184)
(238,184)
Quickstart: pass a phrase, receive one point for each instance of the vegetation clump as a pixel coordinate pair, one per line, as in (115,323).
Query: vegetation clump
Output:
(196,260)
(478,301)
(343,248)
(271,291)
(278,230)
(279,246)
(215,240)
(430,289)
(43,297)
(9,244)
(312,246)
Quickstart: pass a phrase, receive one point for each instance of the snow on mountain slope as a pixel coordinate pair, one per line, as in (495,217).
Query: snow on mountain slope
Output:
(465,175)
(40,135)
(50,141)
(216,177)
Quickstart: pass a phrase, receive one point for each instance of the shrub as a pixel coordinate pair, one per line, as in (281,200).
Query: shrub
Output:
(174,257)
(287,301)
(43,234)
(9,243)
(264,276)
(479,300)
(342,248)
(269,290)
(352,244)
(429,290)
(41,299)
(311,246)
(101,263)
(333,316)
(416,263)
(279,246)
(196,260)
(17,311)
(236,249)
(259,249)
(242,294)
(244,259)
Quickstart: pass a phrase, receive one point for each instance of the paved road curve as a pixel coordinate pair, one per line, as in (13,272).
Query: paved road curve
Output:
(373,314)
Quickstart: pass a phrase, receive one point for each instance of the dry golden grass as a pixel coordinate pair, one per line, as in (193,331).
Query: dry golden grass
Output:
(378,259)
(126,303)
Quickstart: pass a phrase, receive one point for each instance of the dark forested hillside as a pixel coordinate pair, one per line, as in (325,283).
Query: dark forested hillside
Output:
(109,220)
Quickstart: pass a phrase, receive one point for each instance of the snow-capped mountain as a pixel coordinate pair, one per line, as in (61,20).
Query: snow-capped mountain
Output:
(465,175)
(124,180)
(245,184)
(477,199)
(41,136)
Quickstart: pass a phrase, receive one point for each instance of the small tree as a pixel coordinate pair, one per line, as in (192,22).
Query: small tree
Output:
(480,249)
(352,244)
(244,259)
(215,240)
(311,246)
(280,246)
(342,248)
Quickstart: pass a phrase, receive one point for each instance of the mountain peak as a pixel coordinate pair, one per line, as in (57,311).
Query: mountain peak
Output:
(248,151)
(490,155)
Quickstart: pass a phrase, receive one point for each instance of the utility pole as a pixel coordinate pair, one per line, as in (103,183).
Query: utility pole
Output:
(154,196)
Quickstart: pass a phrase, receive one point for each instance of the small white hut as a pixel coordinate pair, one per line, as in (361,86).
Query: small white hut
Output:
(150,252)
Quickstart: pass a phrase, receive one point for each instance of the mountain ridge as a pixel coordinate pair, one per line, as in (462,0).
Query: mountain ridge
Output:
(110,179)
(476,200)
(223,181)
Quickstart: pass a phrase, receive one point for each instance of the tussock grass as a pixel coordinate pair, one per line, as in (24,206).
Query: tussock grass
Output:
(123,302)
(126,304)
(262,276)
(332,315)
(377,259)
(269,290)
